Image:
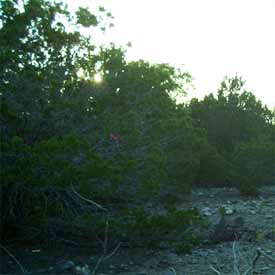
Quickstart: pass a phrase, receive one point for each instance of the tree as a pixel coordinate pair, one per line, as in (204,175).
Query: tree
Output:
(65,137)
(44,107)
(235,116)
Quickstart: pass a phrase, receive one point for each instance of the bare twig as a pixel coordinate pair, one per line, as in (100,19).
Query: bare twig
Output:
(113,252)
(215,270)
(236,262)
(88,200)
(252,268)
(105,257)
(261,252)
(173,270)
(13,257)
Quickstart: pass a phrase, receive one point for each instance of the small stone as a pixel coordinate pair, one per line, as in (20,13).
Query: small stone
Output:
(253,212)
(124,266)
(84,270)
(64,266)
(203,253)
(207,214)
(142,273)
(36,250)
(229,211)
(269,216)
(206,211)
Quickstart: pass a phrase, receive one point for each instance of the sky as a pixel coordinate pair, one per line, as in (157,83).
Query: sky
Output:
(211,38)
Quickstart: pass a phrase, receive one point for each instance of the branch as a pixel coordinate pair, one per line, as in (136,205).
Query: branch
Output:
(13,257)
(215,270)
(261,252)
(236,270)
(89,201)
(105,257)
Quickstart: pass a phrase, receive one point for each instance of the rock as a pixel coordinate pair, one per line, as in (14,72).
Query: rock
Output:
(124,267)
(227,229)
(229,211)
(142,273)
(252,212)
(270,217)
(63,266)
(84,270)
(203,253)
(206,211)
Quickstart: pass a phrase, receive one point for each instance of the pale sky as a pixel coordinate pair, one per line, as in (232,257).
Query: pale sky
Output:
(212,38)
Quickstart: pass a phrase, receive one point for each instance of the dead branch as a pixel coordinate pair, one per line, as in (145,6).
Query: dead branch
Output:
(88,200)
(261,252)
(215,270)
(105,257)
(14,258)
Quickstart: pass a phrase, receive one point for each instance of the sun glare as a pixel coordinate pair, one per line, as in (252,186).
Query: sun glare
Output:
(98,78)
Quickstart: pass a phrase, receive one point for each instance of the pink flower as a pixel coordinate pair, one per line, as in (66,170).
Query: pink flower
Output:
(114,137)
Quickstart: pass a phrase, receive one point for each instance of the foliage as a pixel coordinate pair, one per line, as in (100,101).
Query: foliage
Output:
(122,142)
(69,144)
(253,165)
(140,228)
(233,121)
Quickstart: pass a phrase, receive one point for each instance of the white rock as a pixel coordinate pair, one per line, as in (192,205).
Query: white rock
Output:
(206,211)
(229,211)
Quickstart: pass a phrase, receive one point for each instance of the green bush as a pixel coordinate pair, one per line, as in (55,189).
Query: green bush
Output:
(214,168)
(138,228)
(253,165)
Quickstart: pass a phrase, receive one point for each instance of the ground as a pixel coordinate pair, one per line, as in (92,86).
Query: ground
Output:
(258,232)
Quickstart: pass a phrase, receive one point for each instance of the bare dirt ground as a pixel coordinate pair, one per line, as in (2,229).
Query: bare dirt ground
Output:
(216,256)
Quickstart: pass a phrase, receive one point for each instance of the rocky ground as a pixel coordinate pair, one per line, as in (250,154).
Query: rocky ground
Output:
(241,231)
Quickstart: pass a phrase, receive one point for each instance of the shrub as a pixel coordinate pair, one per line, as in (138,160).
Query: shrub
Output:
(253,165)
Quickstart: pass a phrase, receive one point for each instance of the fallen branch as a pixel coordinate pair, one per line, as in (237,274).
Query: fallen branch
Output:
(261,251)
(258,254)
(215,270)
(13,257)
